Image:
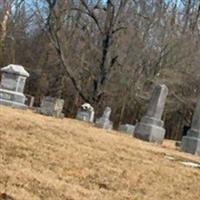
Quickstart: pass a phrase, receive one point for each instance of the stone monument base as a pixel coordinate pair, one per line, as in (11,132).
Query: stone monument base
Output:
(150,129)
(191,142)
(105,124)
(13,99)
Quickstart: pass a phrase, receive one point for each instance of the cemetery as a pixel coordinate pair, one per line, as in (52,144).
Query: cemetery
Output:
(150,128)
(44,157)
(99,100)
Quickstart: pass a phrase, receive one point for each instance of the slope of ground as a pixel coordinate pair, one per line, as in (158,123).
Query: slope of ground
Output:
(46,158)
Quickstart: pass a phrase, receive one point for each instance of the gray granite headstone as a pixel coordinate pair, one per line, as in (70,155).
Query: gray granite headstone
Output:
(104,122)
(127,128)
(12,86)
(51,106)
(86,113)
(191,142)
(150,128)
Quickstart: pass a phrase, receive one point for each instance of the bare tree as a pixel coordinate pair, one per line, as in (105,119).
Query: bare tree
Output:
(108,21)
(107,52)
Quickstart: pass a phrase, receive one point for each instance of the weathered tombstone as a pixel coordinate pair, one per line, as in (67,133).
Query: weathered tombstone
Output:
(191,142)
(127,128)
(104,122)
(150,128)
(12,86)
(86,113)
(51,106)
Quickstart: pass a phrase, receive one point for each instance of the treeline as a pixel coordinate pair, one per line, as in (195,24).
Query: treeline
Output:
(107,53)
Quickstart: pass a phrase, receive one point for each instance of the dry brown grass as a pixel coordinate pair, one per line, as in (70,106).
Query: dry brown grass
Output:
(47,158)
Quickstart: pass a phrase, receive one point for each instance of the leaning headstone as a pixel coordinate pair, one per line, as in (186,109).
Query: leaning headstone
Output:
(51,106)
(86,113)
(12,86)
(150,128)
(127,128)
(191,142)
(104,122)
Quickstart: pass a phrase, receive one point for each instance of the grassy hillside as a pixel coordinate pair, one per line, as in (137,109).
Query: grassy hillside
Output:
(46,158)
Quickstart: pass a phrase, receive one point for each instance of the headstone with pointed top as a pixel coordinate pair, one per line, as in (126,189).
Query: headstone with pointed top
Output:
(150,128)
(12,86)
(104,122)
(191,142)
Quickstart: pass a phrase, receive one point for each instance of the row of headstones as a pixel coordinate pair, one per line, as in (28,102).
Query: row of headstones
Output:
(150,128)
(12,85)
(86,113)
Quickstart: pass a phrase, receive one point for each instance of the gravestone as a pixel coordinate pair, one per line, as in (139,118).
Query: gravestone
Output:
(51,106)
(127,128)
(191,142)
(150,128)
(104,122)
(86,113)
(12,86)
